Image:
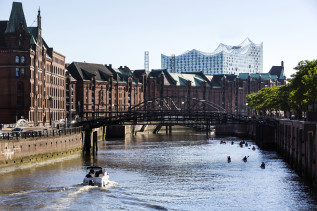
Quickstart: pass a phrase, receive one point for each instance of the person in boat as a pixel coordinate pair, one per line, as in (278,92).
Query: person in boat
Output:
(263,165)
(245,159)
(92,173)
(229,159)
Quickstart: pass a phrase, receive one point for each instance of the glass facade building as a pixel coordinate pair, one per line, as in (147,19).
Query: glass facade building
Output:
(244,58)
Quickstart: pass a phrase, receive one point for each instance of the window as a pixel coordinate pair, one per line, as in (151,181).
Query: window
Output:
(22,72)
(17,59)
(20,87)
(17,72)
(22,59)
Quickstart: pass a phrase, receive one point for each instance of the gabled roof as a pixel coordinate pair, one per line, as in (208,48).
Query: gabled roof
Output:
(84,71)
(155,73)
(243,76)
(278,71)
(33,31)
(16,18)
(3,26)
(139,73)
(217,80)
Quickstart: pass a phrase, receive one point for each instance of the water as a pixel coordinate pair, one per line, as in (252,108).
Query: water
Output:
(159,172)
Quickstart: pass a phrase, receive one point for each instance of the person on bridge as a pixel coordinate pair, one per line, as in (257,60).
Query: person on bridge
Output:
(245,159)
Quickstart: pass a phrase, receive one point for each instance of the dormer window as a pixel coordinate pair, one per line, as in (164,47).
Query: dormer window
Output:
(17,59)
(22,59)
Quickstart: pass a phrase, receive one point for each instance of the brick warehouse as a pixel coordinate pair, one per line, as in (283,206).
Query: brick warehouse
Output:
(102,88)
(32,75)
(35,85)
(228,91)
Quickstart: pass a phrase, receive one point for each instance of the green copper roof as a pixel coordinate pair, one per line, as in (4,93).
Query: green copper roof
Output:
(244,76)
(16,18)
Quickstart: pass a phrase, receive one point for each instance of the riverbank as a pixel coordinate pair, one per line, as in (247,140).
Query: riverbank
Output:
(25,153)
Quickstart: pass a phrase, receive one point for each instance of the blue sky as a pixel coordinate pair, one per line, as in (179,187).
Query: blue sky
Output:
(119,31)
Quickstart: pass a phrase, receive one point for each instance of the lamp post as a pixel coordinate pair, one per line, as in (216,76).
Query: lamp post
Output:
(78,103)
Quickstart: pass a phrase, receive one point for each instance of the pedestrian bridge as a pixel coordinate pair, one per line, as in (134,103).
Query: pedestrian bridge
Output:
(171,110)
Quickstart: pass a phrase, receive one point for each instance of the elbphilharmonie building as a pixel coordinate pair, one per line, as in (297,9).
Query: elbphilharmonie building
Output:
(246,57)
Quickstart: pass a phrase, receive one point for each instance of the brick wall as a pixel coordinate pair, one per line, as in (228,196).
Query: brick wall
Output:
(30,150)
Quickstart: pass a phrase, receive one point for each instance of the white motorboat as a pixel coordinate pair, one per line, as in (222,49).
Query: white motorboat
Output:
(96,176)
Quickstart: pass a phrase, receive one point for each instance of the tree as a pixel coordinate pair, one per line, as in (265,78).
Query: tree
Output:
(304,86)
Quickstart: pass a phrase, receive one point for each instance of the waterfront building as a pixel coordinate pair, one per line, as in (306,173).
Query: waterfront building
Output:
(101,89)
(246,57)
(70,98)
(32,74)
(128,87)
(228,91)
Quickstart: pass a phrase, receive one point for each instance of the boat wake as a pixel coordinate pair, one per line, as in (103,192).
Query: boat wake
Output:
(110,184)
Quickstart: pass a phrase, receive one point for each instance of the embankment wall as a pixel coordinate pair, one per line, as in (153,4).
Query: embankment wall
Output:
(23,151)
(295,140)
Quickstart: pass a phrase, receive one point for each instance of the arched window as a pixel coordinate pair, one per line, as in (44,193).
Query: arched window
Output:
(22,59)
(17,59)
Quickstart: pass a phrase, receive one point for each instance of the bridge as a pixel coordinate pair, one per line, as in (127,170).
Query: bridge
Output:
(164,111)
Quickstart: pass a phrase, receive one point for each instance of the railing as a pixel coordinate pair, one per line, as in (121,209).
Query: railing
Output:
(39,134)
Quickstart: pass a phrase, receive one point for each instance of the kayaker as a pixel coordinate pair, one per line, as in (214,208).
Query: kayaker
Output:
(229,159)
(245,159)
(263,165)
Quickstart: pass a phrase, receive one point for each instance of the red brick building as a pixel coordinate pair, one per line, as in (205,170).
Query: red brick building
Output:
(227,91)
(32,75)
(101,89)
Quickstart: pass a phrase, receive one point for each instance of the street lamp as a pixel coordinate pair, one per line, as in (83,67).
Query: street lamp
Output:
(78,103)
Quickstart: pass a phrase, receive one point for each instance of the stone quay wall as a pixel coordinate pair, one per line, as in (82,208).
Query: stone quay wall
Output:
(32,150)
(295,140)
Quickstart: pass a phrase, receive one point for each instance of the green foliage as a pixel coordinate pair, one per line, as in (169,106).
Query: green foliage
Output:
(304,86)
(299,95)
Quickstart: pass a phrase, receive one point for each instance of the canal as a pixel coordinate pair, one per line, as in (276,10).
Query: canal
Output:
(184,171)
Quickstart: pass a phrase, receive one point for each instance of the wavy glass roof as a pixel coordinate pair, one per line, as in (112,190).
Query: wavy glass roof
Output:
(242,48)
